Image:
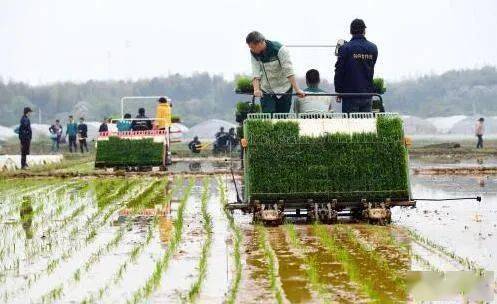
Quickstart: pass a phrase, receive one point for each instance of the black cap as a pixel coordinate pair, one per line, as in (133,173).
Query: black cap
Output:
(162,100)
(27,110)
(357,25)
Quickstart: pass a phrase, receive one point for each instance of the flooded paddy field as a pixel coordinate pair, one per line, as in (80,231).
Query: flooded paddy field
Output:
(169,240)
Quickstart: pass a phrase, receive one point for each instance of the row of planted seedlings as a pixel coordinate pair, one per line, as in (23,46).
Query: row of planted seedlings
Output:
(445,252)
(12,199)
(153,281)
(207,224)
(355,262)
(365,264)
(237,239)
(156,197)
(12,210)
(271,263)
(387,236)
(34,242)
(81,231)
(93,254)
(14,187)
(33,218)
(39,219)
(310,263)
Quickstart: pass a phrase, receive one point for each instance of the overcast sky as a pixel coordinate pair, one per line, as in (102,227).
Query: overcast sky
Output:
(51,40)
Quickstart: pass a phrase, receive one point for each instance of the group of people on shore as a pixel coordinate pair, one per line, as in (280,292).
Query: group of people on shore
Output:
(274,78)
(74,133)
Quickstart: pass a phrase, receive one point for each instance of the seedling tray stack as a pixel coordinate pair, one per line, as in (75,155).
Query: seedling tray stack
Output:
(123,152)
(326,158)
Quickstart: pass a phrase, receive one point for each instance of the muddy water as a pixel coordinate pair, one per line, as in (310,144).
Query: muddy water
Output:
(256,287)
(291,268)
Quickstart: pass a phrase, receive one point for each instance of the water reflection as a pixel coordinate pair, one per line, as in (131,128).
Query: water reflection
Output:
(26,214)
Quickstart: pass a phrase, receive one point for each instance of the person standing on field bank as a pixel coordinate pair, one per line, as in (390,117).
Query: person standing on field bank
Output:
(72,132)
(82,134)
(479,130)
(313,104)
(25,135)
(272,74)
(354,69)
(55,134)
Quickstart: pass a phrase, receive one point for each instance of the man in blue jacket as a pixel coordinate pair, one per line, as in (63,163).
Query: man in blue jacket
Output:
(25,135)
(354,69)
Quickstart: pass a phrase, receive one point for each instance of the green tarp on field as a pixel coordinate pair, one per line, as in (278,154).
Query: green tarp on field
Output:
(280,164)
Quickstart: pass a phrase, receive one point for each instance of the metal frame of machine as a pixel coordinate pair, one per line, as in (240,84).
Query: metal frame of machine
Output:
(157,135)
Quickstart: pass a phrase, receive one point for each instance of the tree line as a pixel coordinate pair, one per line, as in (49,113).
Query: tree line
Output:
(203,96)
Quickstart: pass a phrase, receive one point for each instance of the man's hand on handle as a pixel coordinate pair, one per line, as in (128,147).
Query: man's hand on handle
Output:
(300,93)
(258,93)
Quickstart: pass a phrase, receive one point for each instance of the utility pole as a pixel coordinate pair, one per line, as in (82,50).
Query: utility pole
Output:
(39,116)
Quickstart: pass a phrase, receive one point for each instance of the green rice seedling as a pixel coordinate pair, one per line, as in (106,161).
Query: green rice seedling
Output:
(236,235)
(53,295)
(77,275)
(138,201)
(372,255)
(206,247)
(346,261)
(271,261)
(244,85)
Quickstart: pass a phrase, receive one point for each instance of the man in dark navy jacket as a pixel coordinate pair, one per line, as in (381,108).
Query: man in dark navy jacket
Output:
(25,135)
(354,69)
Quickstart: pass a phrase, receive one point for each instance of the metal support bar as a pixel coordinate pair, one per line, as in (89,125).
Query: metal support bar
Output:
(322,94)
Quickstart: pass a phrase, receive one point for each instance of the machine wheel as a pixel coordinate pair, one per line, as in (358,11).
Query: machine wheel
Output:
(357,214)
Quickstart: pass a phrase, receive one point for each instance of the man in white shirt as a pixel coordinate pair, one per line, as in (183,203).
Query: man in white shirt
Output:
(479,129)
(272,74)
(309,103)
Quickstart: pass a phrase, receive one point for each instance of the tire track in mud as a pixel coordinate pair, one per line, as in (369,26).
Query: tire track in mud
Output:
(291,268)
(271,263)
(256,286)
(313,267)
